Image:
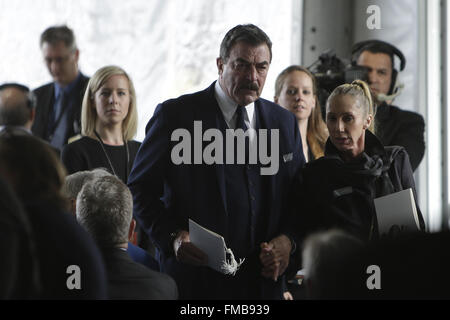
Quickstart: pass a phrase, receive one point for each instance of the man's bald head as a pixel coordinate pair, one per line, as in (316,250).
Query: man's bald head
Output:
(16,106)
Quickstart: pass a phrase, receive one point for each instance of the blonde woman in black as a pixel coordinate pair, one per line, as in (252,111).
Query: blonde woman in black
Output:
(337,191)
(108,125)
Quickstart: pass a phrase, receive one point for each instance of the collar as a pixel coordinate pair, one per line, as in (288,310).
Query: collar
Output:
(382,111)
(14,128)
(69,88)
(373,146)
(228,108)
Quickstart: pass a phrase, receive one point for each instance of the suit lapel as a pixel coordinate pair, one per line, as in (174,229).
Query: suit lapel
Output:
(265,117)
(209,113)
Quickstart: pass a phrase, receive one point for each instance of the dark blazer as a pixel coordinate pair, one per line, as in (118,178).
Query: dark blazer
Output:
(131,280)
(45,98)
(167,195)
(397,127)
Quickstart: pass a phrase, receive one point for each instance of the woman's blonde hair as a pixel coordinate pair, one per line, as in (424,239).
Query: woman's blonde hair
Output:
(317,132)
(360,90)
(89,113)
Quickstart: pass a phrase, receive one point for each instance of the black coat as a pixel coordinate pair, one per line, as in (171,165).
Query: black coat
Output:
(317,207)
(397,127)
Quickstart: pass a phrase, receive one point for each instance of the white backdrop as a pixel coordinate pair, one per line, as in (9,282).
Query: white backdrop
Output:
(168,47)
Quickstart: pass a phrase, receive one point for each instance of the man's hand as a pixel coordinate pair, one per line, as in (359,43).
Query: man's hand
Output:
(186,252)
(274,256)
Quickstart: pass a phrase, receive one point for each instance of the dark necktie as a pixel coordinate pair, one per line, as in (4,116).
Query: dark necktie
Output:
(58,109)
(240,124)
(58,121)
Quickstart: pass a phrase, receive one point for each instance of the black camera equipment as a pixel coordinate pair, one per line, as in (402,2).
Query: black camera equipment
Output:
(330,72)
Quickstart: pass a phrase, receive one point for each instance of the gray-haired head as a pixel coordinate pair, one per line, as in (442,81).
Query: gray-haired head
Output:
(75,181)
(247,33)
(322,253)
(105,210)
(55,34)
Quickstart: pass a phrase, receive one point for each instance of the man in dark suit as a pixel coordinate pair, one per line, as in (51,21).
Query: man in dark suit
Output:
(105,209)
(393,126)
(58,111)
(241,200)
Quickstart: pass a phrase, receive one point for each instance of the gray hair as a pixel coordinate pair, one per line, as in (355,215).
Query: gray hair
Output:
(247,33)
(322,253)
(105,210)
(75,181)
(55,34)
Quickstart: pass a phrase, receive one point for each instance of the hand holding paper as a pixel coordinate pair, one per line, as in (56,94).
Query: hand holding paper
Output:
(187,252)
(220,258)
(397,211)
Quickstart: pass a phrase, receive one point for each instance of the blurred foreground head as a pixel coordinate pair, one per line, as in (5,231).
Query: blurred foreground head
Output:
(33,169)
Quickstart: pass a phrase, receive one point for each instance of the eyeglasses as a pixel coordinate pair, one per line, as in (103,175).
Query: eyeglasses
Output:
(57,60)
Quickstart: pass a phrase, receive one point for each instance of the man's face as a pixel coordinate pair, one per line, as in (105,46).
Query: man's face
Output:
(244,73)
(379,66)
(61,61)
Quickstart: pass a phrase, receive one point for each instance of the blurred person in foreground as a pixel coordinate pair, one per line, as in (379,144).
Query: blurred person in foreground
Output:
(37,176)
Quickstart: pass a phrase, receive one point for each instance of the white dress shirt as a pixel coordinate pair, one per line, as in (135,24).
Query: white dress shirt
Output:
(228,108)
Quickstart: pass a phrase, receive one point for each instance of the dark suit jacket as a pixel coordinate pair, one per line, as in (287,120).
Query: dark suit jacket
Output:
(45,98)
(131,280)
(166,195)
(397,127)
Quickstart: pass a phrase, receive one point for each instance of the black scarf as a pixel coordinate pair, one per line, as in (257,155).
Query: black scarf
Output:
(373,164)
(369,173)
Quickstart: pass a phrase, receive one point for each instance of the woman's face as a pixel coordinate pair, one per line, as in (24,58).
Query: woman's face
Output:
(112,100)
(297,95)
(346,124)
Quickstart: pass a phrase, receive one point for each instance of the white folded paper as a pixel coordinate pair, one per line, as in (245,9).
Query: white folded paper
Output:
(397,211)
(214,246)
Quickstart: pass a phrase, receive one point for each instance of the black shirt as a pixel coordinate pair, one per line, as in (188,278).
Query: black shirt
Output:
(87,153)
